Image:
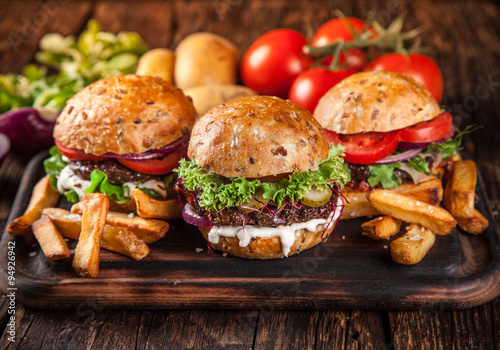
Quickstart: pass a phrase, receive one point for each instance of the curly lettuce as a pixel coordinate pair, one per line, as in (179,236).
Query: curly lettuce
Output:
(218,192)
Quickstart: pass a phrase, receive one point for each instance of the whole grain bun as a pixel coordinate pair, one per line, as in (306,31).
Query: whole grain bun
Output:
(257,136)
(127,114)
(270,248)
(375,101)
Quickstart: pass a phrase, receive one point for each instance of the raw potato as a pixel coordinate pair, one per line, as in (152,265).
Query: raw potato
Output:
(206,97)
(157,63)
(413,246)
(204,59)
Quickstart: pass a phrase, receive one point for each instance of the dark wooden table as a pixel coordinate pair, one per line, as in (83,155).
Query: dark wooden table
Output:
(466,38)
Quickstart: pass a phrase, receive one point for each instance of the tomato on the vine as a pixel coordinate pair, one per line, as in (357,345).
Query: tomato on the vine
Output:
(432,130)
(76,154)
(312,84)
(273,61)
(157,166)
(420,67)
(365,148)
(336,29)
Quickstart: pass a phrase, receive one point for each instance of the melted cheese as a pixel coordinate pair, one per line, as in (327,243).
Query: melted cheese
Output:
(286,234)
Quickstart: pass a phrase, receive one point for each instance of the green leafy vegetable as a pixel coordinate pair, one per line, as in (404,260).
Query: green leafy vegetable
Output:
(79,62)
(100,183)
(54,165)
(384,174)
(419,163)
(218,192)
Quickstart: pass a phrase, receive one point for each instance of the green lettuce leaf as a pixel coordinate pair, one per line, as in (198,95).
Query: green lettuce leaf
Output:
(418,163)
(54,165)
(99,183)
(218,192)
(384,174)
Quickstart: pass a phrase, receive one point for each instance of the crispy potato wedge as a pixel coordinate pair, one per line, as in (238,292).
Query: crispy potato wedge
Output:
(474,225)
(460,189)
(69,225)
(410,210)
(382,227)
(52,243)
(123,241)
(128,207)
(430,191)
(154,209)
(43,196)
(94,209)
(413,246)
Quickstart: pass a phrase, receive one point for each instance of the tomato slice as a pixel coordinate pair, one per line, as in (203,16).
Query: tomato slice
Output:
(76,154)
(432,130)
(156,166)
(365,148)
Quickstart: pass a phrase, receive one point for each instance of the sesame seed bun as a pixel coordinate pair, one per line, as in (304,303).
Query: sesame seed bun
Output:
(378,101)
(257,136)
(130,114)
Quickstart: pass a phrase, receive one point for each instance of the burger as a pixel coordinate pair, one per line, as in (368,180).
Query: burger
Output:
(118,134)
(393,130)
(262,181)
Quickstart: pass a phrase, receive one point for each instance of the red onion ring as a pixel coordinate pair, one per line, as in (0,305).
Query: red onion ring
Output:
(413,145)
(154,153)
(396,158)
(191,218)
(4,147)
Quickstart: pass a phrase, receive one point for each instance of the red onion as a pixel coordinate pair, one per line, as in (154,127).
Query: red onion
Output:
(413,145)
(396,158)
(4,147)
(29,129)
(155,153)
(191,218)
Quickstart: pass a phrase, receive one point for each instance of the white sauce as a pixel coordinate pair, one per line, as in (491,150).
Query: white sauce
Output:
(285,233)
(68,180)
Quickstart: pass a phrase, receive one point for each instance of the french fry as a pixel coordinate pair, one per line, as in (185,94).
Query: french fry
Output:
(147,230)
(52,243)
(410,210)
(382,227)
(123,241)
(94,209)
(474,225)
(127,207)
(460,189)
(43,196)
(69,225)
(413,246)
(430,191)
(154,209)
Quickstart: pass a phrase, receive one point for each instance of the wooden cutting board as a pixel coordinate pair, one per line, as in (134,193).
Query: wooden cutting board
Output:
(349,271)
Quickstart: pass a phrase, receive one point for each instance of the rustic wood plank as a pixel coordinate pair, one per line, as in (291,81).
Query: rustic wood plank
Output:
(473,328)
(24,318)
(28,21)
(495,315)
(366,331)
(200,329)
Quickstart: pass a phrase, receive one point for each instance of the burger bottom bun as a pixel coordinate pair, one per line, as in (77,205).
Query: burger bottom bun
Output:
(270,248)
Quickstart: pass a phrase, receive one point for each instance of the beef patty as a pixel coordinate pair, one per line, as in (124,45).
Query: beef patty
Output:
(118,174)
(232,216)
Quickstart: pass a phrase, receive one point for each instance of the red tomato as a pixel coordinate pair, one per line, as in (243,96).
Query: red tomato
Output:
(312,84)
(432,130)
(420,67)
(365,148)
(76,154)
(273,61)
(336,29)
(157,166)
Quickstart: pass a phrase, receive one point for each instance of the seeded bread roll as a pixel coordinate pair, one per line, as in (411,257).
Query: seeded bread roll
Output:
(257,136)
(127,114)
(375,101)
(270,248)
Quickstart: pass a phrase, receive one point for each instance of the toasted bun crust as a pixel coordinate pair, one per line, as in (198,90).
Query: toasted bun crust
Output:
(375,101)
(257,136)
(127,114)
(270,248)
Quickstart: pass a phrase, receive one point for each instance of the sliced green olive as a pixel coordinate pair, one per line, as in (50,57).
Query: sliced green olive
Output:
(316,198)
(257,202)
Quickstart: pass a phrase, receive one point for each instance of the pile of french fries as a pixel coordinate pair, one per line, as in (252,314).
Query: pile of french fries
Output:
(419,206)
(94,226)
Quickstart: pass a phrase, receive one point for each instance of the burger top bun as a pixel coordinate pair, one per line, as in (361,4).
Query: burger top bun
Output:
(375,101)
(257,136)
(127,114)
